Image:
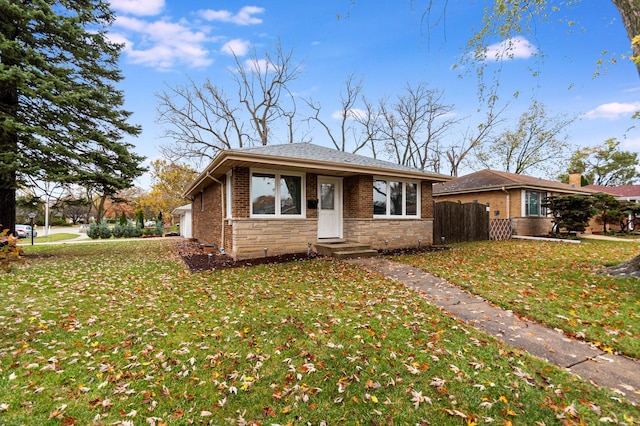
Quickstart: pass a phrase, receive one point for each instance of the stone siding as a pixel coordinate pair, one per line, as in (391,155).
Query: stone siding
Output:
(279,236)
(399,233)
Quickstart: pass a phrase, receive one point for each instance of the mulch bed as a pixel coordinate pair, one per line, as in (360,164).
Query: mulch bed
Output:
(198,261)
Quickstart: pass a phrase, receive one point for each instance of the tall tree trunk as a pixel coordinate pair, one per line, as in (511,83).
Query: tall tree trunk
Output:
(7,209)
(8,133)
(630,12)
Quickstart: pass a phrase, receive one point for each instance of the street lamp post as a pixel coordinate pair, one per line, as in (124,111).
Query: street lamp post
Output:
(31,216)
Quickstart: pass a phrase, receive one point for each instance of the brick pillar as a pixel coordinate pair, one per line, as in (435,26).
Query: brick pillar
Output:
(240,192)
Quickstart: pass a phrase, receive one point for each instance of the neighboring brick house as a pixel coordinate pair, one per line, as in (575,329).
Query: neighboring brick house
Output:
(510,196)
(284,197)
(630,193)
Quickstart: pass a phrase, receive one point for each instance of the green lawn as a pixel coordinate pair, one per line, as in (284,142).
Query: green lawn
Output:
(557,284)
(121,333)
(63,236)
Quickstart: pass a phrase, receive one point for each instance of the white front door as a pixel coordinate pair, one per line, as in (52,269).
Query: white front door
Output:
(329,207)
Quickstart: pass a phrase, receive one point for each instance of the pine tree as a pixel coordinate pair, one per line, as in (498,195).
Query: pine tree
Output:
(61,117)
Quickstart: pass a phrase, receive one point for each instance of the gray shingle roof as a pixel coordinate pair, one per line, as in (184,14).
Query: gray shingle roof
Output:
(309,151)
(491,179)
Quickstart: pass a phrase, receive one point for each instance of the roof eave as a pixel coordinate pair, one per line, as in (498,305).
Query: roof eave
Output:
(225,160)
(514,186)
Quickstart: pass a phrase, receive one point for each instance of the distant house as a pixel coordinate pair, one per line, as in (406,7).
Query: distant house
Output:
(630,193)
(289,198)
(624,193)
(511,196)
(184,215)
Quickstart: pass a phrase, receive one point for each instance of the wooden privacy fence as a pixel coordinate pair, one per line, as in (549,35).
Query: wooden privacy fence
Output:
(459,223)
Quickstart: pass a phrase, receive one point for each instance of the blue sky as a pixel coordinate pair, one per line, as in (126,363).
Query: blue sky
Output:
(386,44)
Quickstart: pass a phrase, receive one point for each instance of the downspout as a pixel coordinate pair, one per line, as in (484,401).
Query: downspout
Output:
(508,207)
(223,209)
(508,202)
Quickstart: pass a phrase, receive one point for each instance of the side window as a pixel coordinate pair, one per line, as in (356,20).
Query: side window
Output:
(277,194)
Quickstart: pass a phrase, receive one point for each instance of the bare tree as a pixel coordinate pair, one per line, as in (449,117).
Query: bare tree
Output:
(415,125)
(371,122)
(205,119)
(538,142)
(347,135)
(472,139)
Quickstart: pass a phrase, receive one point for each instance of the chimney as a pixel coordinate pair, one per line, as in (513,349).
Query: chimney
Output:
(575,179)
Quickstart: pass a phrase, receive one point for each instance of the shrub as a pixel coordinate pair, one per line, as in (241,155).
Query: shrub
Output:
(126,231)
(118,230)
(147,232)
(57,221)
(123,219)
(140,219)
(99,231)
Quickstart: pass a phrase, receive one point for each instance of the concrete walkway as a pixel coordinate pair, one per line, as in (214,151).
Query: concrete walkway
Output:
(609,238)
(618,373)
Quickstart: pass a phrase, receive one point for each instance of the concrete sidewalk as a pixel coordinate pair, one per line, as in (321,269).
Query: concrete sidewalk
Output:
(618,373)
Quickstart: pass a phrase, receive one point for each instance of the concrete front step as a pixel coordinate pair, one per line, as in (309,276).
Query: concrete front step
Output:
(344,250)
(352,254)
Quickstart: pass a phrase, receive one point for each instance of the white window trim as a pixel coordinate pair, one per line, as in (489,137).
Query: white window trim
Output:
(404,215)
(278,174)
(229,196)
(524,211)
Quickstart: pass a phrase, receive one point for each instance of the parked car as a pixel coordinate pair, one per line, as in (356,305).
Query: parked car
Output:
(24,231)
(150,224)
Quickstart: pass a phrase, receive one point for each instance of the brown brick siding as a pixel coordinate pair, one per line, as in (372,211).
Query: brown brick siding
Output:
(531,226)
(240,190)
(312,194)
(358,197)
(426,202)
(497,202)
(207,223)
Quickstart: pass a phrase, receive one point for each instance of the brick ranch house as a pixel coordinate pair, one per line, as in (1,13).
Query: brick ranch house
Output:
(511,196)
(287,198)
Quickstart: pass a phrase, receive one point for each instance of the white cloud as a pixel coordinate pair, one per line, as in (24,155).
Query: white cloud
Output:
(631,144)
(513,48)
(161,44)
(244,17)
(138,7)
(236,47)
(613,110)
(353,113)
(260,66)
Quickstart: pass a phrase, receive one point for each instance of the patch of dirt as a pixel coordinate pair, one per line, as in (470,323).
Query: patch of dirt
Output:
(198,261)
